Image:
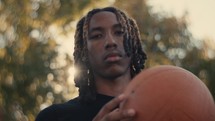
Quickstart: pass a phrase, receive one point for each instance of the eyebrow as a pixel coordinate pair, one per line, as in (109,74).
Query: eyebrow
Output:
(100,28)
(95,29)
(117,26)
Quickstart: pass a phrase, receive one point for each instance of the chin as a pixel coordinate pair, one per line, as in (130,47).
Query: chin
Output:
(115,73)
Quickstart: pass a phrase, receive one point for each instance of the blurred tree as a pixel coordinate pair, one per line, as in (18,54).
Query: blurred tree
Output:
(201,61)
(166,38)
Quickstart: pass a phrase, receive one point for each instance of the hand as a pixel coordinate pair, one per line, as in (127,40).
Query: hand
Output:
(109,112)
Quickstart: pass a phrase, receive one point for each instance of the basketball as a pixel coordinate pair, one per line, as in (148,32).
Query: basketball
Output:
(169,93)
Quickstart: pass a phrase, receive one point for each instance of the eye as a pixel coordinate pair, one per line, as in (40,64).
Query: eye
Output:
(119,33)
(95,36)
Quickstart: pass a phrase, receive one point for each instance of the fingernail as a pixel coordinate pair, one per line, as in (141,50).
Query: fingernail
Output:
(121,97)
(131,112)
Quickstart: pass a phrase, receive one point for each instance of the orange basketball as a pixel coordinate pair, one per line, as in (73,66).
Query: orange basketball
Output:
(169,93)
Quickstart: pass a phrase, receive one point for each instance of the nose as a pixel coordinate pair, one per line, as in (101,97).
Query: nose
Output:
(110,42)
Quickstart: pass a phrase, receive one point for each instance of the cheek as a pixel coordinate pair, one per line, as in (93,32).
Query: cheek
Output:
(95,47)
(120,43)
(95,50)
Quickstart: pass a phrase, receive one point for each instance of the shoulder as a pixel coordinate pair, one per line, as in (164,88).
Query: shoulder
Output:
(53,112)
(48,114)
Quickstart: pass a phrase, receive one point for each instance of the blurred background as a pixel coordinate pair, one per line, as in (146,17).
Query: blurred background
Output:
(36,46)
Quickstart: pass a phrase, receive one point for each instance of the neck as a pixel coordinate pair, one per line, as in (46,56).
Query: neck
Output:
(112,87)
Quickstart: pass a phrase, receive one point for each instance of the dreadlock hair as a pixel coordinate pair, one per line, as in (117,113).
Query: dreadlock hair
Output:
(132,44)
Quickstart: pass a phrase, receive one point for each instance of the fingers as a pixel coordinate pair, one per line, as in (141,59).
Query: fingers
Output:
(109,107)
(117,115)
(128,115)
(110,113)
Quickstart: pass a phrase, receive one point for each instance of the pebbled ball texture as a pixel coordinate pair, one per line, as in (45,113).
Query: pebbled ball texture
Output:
(169,93)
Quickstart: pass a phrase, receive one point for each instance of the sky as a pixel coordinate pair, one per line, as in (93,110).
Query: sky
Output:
(201,14)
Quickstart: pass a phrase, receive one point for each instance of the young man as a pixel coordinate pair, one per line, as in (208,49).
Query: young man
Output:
(108,54)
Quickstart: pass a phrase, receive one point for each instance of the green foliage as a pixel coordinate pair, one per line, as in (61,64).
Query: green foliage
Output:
(23,77)
(199,61)
(166,38)
(30,72)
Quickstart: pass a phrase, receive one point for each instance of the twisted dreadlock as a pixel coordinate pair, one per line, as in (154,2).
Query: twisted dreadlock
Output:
(132,45)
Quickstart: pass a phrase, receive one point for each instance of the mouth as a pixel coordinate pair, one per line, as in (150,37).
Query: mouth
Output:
(112,57)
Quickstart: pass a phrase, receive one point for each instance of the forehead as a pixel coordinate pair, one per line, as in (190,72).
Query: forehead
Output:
(103,18)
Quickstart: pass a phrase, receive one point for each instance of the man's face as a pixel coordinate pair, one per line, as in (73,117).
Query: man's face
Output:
(105,47)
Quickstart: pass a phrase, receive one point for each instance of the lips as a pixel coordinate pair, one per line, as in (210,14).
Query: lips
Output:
(112,57)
